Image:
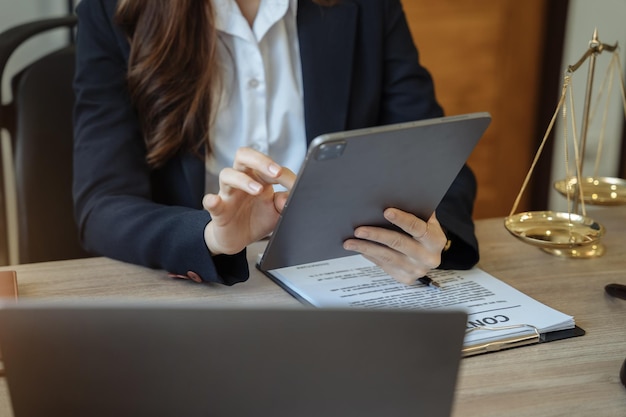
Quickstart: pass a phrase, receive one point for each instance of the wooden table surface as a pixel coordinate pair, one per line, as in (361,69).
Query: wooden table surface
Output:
(573,377)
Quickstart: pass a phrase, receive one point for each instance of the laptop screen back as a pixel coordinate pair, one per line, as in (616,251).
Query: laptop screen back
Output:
(173,360)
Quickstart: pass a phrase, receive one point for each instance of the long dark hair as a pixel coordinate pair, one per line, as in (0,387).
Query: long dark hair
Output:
(172,75)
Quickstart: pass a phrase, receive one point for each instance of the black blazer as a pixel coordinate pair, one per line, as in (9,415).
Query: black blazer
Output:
(360,68)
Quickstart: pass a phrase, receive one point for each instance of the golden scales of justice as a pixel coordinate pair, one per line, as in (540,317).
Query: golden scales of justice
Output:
(573,234)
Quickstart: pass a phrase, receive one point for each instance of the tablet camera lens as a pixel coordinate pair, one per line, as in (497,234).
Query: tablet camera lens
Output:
(330,150)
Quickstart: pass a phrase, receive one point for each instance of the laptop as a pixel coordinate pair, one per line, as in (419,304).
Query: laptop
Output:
(349,178)
(129,359)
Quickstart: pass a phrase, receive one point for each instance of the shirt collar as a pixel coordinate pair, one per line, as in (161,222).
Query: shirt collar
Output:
(227,11)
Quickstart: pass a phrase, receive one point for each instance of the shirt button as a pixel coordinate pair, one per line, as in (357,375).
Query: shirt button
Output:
(253,83)
(261,147)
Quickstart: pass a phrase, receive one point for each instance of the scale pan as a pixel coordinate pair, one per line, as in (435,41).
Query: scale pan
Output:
(596,190)
(554,230)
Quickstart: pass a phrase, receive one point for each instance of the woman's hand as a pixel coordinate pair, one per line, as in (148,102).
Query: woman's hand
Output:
(404,257)
(246,208)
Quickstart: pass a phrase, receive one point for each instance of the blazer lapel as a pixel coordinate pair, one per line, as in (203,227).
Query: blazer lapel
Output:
(327,37)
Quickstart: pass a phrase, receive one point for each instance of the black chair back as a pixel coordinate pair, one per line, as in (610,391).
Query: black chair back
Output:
(39,120)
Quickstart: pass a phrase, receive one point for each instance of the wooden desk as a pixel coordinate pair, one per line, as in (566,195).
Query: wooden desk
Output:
(574,377)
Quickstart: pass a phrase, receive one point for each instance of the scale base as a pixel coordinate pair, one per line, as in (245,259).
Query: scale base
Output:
(580,252)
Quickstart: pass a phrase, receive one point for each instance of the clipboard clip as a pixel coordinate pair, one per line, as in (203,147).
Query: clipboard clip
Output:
(505,343)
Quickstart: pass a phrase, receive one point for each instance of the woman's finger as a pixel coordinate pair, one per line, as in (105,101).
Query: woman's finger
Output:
(286,178)
(428,233)
(231,179)
(280,199)
(248,159)
(408,275)
(212,203)
(398,250)
(424,252)
(262,168)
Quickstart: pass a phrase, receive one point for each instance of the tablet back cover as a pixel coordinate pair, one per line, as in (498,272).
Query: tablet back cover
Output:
(349,178)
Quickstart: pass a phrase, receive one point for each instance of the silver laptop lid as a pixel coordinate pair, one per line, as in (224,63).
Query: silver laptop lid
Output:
(173,360)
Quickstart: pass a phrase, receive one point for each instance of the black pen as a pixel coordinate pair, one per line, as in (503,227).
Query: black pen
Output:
(616,290)
(426,280)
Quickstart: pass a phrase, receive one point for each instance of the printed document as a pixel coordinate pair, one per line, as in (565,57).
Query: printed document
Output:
(495,309)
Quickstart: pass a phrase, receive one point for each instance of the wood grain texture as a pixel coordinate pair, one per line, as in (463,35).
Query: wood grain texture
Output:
(575,377)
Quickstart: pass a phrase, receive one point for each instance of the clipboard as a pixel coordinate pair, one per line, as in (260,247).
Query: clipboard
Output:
(509,342)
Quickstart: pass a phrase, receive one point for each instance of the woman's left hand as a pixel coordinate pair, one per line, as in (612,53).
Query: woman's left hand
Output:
(405,257)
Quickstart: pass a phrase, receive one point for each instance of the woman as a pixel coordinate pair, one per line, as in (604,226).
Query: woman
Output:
(189,112)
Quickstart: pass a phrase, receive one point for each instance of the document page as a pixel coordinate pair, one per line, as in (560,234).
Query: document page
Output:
(354,281)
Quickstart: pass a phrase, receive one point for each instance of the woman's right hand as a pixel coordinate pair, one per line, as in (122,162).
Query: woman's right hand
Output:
(246,207)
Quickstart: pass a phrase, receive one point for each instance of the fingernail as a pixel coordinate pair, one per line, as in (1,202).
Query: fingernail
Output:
(390,214)
(348,246)
(255,187)
(274,169)
(361,234)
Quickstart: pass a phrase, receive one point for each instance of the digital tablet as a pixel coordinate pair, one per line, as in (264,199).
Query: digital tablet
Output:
(349,178)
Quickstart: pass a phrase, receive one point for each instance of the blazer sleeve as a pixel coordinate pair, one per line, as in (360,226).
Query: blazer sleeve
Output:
(409,94)
(113,185)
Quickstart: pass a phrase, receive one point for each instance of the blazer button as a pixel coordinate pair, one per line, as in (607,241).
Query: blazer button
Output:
(193,276)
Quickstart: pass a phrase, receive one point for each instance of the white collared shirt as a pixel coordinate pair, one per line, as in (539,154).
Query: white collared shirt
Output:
(261,105)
